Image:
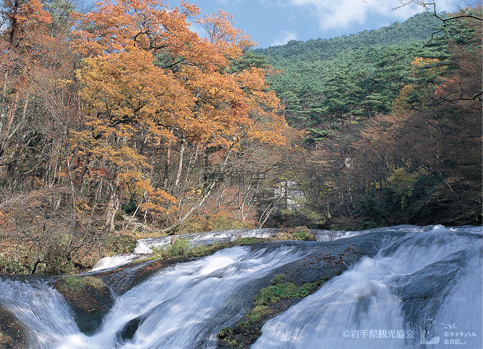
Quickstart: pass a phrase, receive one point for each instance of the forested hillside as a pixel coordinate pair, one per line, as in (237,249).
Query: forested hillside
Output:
(326,83)
(391,121)
(121,122)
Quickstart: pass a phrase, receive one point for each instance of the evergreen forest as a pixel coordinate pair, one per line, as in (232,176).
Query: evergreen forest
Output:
(119,122)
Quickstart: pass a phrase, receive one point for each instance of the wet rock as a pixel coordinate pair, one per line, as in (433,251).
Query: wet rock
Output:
(126,277)
(13,334)
(422,292)
(90,300)
(127,333)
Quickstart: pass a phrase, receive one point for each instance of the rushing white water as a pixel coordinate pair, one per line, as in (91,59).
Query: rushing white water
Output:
(180,307)
(362,308)
(331,235)
(40,308)
(145,246)
(423,289)
(115,261)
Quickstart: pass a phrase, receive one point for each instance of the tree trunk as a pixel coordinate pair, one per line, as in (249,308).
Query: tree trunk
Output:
(166,166)
(190,212)
(112,208)
(4,135)
(199,204)
(180,164)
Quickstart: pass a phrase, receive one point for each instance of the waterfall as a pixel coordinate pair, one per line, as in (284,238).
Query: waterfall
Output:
(416,287)
(115,261)
(365,306)
(41,308)
(145,246)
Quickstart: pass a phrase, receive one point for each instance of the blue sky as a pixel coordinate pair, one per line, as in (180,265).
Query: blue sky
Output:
(274,22)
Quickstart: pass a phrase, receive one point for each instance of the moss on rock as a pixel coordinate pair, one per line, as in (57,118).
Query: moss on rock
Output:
(299,279)
(299,233)
(268,303)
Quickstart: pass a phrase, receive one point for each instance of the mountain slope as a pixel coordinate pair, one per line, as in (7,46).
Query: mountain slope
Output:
(328,83)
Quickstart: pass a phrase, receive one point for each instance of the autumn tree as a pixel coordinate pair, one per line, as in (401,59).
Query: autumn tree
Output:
(39,106)
(152,83)
(24,39)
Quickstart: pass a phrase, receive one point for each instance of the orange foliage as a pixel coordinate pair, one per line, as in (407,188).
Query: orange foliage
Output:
(147,75)
(24,46)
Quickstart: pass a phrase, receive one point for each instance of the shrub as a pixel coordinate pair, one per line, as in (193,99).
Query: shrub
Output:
(273,294)
(225,332)
(278,279)
(120,243)
(11,266)
(402,183)
(307,289)
(300,233)
(179,248)
(257,313)
(304,236)
(218,219)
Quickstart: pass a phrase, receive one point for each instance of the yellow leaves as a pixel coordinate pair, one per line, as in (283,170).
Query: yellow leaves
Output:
(420,61)
(31,13)
(25,44)
(64,83)
(155,200)
(428,64)
(148,80)
(402,182)
(228,40)
(82,205)
(194,192)
(199,97)
(3,218)
(146,25)
(159,201)
(402,104)
(128,87)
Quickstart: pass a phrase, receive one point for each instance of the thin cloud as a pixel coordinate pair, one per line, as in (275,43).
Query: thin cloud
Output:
(343,13)
(284,37)
(226,2)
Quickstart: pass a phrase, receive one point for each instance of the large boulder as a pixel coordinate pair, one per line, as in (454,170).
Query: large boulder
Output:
(90,299)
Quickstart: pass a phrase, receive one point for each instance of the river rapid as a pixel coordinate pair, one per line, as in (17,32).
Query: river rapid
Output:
(412,287)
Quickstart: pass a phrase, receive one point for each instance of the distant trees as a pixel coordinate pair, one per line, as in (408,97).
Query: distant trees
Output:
(329,83)
(410,152)
(123,119)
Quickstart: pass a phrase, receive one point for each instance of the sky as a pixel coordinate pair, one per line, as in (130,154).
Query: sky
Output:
(275,22)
